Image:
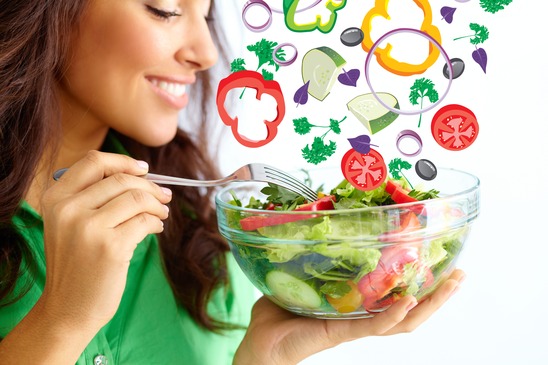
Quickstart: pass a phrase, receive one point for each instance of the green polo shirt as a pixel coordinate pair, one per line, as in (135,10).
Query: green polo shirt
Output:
(149,326)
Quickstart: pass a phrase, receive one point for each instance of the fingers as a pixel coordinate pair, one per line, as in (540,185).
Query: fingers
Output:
(115,185)
(128,205)
(138,227)
(403,316)
(95,167)
(380,324)
(425,309)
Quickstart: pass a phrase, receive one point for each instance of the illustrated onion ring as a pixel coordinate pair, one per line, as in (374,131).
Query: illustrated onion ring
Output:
(422,34)
(286,62)
(257,28)
(407,133)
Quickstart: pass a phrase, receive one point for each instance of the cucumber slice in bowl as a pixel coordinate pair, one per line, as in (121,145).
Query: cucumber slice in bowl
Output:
(292,292)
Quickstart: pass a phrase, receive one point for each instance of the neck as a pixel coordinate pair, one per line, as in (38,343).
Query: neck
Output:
(75,144)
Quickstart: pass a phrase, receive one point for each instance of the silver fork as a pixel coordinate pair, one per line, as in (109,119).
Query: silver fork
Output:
(249,172)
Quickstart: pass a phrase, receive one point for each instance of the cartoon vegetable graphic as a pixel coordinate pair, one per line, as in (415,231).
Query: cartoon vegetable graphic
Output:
(447,13)
(321,66)
(481,34)
(254,80)
(264,50)
(290,9)
(396,167)
(318,151)
(384,54)
(493,6)
(423,88)
(349,78)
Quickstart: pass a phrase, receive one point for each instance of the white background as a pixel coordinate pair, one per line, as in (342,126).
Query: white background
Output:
(499,316)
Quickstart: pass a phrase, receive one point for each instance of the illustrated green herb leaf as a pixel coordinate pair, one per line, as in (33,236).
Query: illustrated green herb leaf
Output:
(267,75)
(302,126)
(396,167)
(334,125)
(237,65)
(423,88)
(481,34)
(493,6)
(318,151)
(264,50)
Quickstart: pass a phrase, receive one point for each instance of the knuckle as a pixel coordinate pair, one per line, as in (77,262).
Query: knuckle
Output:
(93,157)
(122,179)
(139,197)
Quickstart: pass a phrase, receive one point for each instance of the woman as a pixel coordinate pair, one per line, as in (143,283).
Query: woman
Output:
(85,85)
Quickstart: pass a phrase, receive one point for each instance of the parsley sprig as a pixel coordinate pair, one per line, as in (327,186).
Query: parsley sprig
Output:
(264,50)
(318,151)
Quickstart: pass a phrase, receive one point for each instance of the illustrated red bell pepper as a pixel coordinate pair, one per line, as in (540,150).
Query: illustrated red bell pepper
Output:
(258,221)
(253,80)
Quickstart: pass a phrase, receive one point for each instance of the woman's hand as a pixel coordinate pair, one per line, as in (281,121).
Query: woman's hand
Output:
(94,217)
(277,337)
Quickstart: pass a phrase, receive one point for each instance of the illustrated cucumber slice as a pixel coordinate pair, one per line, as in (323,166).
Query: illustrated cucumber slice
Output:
(373,114)
(321,66)
(292,291)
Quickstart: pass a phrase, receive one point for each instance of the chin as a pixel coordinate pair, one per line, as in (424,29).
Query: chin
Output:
(160,135)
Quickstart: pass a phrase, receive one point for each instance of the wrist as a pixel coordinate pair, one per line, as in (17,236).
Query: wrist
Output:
(45,337)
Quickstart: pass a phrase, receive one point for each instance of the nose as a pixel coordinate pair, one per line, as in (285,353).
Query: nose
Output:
(198,49)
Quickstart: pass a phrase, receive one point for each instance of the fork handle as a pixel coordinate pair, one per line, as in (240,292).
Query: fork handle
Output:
(169,180)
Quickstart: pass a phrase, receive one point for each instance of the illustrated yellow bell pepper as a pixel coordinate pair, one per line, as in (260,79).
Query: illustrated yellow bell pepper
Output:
(290,9)
(383,55)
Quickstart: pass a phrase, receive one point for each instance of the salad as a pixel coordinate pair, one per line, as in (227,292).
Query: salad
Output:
(331,257)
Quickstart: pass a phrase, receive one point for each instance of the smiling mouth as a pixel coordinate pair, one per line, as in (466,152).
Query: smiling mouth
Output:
(173,88)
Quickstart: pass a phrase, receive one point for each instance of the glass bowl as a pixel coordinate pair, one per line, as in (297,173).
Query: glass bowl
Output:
(351,263)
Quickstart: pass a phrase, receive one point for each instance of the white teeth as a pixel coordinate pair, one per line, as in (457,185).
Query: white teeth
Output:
(174,89)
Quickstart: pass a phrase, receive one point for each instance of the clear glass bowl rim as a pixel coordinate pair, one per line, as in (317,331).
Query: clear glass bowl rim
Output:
(446,198)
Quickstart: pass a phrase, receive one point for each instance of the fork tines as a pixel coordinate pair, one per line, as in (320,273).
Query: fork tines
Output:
(288,181)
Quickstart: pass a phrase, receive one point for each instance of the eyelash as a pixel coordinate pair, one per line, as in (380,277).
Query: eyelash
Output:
(162,14)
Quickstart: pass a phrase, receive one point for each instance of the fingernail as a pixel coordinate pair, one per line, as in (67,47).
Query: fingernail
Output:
(461,279)
(167,191)
(412,305)
(166,208)
(142,165)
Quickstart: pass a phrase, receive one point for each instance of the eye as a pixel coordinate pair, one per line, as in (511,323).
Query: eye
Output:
(162,14)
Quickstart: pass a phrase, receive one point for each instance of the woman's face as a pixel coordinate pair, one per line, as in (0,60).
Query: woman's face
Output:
(131,64)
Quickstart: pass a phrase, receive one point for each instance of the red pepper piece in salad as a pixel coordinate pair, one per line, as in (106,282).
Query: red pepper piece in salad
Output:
(376,287)
(258,221)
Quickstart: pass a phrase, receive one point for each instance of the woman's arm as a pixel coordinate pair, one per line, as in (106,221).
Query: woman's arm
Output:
(277,337)
(94,217)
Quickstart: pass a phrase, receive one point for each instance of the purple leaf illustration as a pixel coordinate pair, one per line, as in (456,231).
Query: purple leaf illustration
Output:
(480,56)
(447,13)
(349,78)
(301,96)
(361,144)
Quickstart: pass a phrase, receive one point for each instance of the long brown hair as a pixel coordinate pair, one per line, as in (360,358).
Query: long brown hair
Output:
(34,39)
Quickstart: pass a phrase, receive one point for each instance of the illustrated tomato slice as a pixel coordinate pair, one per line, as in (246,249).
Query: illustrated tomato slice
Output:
(364,171)
(455,127)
